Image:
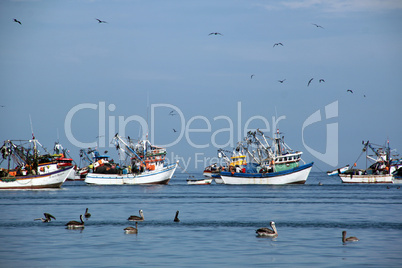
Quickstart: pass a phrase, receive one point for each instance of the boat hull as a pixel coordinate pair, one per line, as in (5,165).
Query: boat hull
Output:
(200,182)
(349,178)
(162,176)
(50,180)
(293,176)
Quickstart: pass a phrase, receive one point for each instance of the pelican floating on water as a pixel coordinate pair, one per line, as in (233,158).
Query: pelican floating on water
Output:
(137,218)
(264,231)
(348,239)
(131,230)
(75,224)
(87,214)
(48,217)
(176,218)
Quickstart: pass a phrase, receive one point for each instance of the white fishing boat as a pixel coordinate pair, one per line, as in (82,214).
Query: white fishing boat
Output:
(147,166)
(32,171)
(276,164)
(379,172)
(205,181)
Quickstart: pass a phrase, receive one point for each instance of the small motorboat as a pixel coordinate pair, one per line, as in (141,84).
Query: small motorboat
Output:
(193,181)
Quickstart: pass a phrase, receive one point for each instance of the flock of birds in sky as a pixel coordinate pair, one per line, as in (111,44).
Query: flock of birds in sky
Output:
(218,33)
(261,232)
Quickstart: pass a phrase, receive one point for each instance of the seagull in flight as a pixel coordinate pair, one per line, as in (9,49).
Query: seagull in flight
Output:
(172,113)
(277,44)
(251,77)
(318,26)
(215,34)
(101,21)
(281,81)
(309,81)
(321,80)
(17,21)
(349,91)
(174,130)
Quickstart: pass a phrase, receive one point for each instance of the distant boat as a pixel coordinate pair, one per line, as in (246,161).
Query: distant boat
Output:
(338,171)
(379,172)
(32,171)
(238,158)
(147,166)
(204,181)
(273,164)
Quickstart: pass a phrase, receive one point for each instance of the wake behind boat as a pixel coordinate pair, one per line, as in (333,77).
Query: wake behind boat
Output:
(32,171)
(276,164)
(147,165)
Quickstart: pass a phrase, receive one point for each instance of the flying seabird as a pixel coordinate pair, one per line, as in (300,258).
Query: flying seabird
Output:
(251,76)
(349,91)
(176,218)
(264,231)
(17,21)
(309,81)
(101,21)
(172,113)
(87,214)
(174,130)
(321,80)
(137,218)
(131,230)
(277,44)
(318,26)
(48,217)
(215,34)
(281,81)
(349,239)
(75,224)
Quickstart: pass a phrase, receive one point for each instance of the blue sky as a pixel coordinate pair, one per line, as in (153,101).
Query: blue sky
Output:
(160,54)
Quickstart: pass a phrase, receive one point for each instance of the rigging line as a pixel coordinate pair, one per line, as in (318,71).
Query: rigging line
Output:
(318,167)
(184,170)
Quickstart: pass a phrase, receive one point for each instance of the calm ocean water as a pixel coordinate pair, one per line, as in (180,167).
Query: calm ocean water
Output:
(217,225)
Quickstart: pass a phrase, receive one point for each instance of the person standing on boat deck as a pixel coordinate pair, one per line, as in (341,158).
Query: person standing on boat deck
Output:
(238,170)
(91,168)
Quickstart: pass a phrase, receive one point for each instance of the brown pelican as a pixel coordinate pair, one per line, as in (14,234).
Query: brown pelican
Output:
(277,44)
(281,81)
(349,91)
(264,231)
(215,34)
(321,80)
(251,76)
(176,218)
(309,81)
(87,214)
(75,224)
(131,230)
(48,217)
(17,21)
(348,239)
(137,218)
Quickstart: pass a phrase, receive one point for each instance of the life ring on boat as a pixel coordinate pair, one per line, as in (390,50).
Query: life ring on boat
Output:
(232,173)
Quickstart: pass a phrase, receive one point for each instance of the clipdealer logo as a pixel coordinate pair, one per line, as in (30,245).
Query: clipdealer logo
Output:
(330,156)
(107,123)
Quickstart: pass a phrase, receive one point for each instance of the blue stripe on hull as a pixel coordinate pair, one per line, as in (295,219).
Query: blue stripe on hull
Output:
(267,175)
